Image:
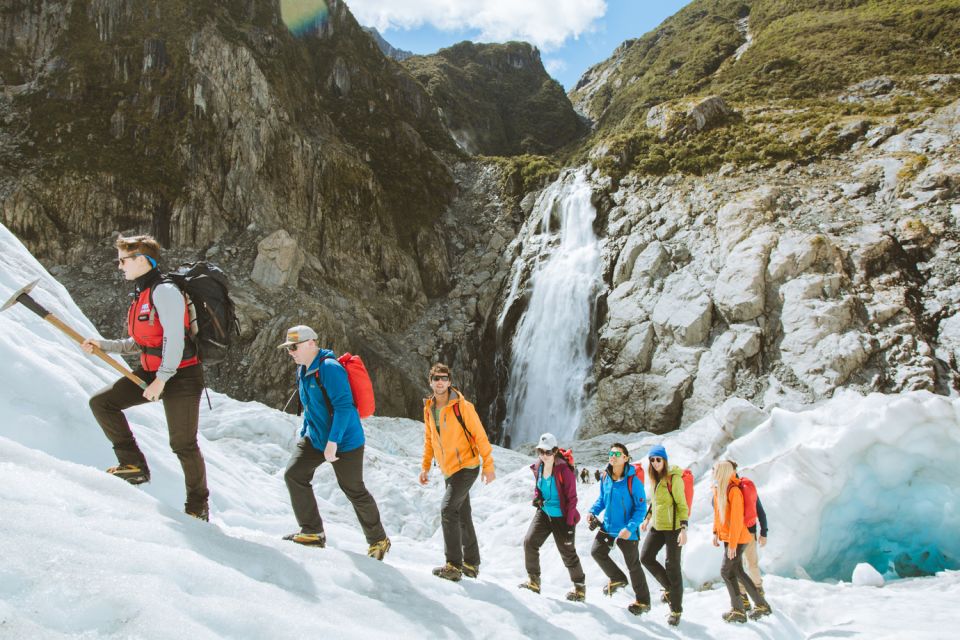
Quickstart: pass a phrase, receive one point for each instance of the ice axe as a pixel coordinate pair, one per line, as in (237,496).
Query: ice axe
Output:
(23,297)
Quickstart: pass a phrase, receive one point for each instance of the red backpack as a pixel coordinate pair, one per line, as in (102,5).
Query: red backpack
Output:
(749,491)
(360,385)
(638,468)
(687,477)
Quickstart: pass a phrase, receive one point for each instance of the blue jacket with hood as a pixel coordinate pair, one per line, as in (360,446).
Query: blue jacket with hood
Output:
(622,507)
(343,427)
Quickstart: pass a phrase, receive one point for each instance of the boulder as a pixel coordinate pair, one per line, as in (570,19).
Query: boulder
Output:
(739,292)
(684,310)
(738,218)
(279,260)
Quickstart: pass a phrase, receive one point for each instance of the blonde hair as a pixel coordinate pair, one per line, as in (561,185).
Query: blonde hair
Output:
(722,474)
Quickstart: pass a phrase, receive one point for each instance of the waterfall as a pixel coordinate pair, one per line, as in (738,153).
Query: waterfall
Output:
(550,356)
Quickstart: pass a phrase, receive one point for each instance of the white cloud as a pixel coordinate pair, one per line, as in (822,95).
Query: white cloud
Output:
(544,23)
(554,65)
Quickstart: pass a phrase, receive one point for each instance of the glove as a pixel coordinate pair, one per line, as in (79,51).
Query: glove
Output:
(538,502)
(592,522)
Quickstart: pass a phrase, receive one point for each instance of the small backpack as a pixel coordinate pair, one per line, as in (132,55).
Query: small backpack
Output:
(749,491)
(213,318)
(567,455)
(687,477)
(361,387)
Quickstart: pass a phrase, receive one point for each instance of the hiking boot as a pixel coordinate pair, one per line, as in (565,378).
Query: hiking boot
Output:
(613,586)
(200,513)
(760,611)
(746,601)
(638,608)
(308,539)
(131,473)
(532,583)
(379,549)
(735,616)
(664,596)
(674,618)
(470,570)
(579,593)
(449,572)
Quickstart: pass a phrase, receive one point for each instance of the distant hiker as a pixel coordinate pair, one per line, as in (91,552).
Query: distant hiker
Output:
(584,475)
(555,498)
(622,501)
(753,514)
(331,432)
(454,436)
(729,528)
(158,325)
(596,475)
(669,513)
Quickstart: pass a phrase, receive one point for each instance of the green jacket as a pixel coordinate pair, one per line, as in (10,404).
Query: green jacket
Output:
(664,504)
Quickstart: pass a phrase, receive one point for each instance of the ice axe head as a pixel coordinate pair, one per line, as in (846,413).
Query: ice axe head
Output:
(27,301)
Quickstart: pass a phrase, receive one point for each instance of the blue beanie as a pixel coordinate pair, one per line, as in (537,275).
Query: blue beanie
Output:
(657,451)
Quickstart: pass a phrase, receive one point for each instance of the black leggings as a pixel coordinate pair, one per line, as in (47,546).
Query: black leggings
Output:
(669,577)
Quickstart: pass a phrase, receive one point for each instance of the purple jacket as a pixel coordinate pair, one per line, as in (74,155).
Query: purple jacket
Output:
(566,480)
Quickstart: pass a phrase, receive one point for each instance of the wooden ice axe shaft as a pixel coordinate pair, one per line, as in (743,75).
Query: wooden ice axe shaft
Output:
(23,297)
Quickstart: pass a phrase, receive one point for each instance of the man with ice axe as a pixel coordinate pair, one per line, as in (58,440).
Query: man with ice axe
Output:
(158,324)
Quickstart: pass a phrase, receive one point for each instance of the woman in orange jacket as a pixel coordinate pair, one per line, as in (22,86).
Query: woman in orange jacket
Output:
(729,527)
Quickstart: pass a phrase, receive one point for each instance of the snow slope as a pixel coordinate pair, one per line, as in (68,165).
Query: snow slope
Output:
(85,555)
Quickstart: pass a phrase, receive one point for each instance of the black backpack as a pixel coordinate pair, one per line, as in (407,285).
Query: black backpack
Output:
(213,319)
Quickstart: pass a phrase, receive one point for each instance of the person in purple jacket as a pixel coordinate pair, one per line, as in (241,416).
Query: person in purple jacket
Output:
(555,498)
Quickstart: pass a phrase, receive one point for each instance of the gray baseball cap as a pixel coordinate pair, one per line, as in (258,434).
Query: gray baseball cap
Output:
(547,442)
(298,334)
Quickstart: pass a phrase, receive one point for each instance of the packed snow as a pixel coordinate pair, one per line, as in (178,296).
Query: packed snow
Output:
(858,480)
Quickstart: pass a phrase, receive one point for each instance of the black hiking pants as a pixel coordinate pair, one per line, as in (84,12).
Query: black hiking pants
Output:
(541,527)
(348,468)
(734,575)
(631,555)
(181,403)
(456,518)
(669,577)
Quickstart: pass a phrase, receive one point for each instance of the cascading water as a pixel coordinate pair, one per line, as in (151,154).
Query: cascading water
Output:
(550,355)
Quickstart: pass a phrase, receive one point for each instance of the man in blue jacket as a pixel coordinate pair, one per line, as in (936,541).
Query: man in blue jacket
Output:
(622,501)
(332,433)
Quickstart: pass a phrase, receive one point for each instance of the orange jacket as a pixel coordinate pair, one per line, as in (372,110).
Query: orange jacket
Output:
(448,443)
(733,531)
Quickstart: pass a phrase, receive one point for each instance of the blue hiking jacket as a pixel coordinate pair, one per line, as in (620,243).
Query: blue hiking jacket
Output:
(343,427)
(621,510)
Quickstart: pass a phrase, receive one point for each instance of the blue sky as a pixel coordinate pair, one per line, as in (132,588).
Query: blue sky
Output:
(572,34)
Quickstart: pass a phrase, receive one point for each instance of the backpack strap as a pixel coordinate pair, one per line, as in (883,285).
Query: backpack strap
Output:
(189,343)
(466,432)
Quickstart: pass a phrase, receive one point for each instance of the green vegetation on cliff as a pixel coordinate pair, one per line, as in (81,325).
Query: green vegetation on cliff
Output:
(497,99)
(800,55)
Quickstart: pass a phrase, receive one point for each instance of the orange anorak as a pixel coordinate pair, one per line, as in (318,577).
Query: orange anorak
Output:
(447,442)
(733,530)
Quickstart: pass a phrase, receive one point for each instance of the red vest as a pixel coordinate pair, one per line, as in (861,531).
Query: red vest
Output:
(144,327)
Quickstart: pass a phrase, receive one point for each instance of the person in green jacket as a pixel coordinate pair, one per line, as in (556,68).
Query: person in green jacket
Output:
(668,510)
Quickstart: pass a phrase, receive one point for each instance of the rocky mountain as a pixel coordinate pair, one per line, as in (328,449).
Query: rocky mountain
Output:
(309,165)
(775,186)
(388,49)
(497,99)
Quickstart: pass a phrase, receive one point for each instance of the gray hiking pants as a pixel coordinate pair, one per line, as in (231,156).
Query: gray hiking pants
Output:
(631,554)
(733,575)
(348,468)
(456,518)
(181,403)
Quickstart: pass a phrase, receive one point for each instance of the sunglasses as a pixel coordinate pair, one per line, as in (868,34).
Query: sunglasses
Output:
(656,459)
(440,378)
(120,261)
(616,454)
(293,347)
(543,452)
